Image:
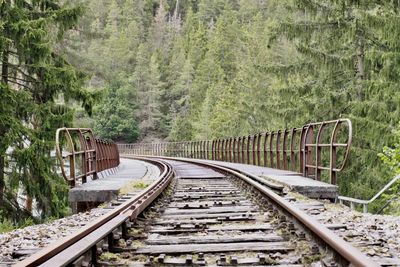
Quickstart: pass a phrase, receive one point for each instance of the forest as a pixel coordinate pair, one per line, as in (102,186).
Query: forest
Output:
(148,70)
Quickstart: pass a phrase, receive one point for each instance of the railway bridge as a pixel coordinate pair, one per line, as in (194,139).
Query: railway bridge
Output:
(257,200)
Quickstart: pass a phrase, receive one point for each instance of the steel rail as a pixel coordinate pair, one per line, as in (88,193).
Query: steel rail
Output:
(340,246)
(67,250)
(56,253)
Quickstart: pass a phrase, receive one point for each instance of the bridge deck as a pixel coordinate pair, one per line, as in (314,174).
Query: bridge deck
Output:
(183,170)
(294,181)
(108,188)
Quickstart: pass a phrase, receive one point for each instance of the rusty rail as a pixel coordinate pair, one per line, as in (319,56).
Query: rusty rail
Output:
(351,254)
(308,150)
(64,251)
(84,154)
(81,248)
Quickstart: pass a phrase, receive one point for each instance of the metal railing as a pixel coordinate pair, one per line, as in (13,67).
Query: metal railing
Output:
(308,150)
(82,155)
(365,203)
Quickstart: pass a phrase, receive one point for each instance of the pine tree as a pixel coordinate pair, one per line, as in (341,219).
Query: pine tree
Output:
(116,117)
(343,71)
(34,74)
(147,81)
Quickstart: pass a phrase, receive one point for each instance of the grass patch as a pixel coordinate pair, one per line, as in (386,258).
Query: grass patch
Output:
(108,256)
(133,186)
(6,226)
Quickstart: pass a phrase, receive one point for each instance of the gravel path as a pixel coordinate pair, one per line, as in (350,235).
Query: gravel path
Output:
(18,243)
(378,236)
(375,235)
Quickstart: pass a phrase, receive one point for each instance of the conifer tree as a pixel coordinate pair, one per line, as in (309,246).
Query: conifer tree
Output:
(345,70)
(146,80)
(34,75)
(202,69)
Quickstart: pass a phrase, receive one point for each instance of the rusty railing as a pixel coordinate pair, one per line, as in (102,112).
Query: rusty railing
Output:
(311,150)
(82,155)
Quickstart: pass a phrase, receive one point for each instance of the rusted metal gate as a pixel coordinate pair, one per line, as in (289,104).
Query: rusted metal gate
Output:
(313,150)
(82,155)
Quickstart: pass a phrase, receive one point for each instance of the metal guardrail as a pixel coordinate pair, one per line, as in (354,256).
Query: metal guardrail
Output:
(365,203)
(84,154)
(308,150)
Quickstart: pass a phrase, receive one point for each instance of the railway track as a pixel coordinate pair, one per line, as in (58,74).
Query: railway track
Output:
(202,215)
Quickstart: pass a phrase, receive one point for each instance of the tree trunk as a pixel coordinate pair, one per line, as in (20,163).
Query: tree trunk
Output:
(4,81)
(360,75)
(28,203)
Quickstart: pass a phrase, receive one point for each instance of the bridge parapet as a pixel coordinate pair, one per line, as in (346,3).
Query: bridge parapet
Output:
(82,155)
(316,150)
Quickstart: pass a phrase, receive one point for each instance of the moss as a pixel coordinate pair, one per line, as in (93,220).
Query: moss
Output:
(108,256)
(141,258)
(137,244)
(308,259)
(103,205)
(132,186)
(135,231)
(122,243)
(302,247)
(272,181)
(299,196)
(270,261)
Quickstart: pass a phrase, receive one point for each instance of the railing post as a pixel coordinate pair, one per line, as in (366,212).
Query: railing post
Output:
(318,151)
(292,153)
(243,149)
(212,150)
(332,171)
(259,149)
(218,143)
(234,149)
(265,149)
(308,157)
(277,148)
(223,149)
(253,146)
(284,149)
(271,152)
(230,149)
(248,149)
(204,149)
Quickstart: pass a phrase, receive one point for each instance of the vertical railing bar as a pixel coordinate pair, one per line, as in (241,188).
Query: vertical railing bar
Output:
(318,151)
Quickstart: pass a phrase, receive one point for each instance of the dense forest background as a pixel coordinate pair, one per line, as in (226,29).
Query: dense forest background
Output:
(191,70)
(146,70)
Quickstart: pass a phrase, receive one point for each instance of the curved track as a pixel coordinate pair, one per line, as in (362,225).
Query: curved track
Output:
(203,215)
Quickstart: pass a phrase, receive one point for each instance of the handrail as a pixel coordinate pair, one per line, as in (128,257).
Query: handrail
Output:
(366,202)
(93,154)
(308,150)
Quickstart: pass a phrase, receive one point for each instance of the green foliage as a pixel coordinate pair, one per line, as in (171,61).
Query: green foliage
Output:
(391,158)
(343,53)
(116,119)
(36,85)
(391,155)
(185,70)
(6,226)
